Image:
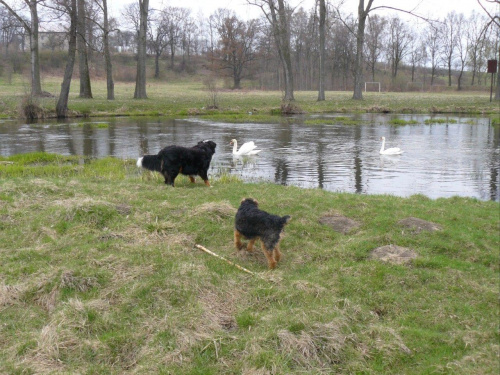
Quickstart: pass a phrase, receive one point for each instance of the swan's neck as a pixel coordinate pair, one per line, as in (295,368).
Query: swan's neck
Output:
(383,145)
(235,147)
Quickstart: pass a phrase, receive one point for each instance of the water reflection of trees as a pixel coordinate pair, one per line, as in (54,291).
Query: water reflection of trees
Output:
(494,138)
(325,156)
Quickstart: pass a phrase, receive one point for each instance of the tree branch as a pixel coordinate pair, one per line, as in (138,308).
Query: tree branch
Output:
(410,12)
(19,18)
(496,18)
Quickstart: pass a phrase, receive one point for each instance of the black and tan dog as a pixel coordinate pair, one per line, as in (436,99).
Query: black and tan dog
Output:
(172,160)
(253,224)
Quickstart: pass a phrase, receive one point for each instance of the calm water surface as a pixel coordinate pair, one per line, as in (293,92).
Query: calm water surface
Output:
(460,157)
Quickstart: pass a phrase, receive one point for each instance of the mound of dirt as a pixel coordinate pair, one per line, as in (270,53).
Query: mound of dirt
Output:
(393,254)
(418,225)
(339,223)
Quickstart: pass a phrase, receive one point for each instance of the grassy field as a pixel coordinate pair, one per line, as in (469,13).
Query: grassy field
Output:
(99,275)
(190,97)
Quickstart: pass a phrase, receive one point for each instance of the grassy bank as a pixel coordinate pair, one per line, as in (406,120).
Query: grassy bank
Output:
(99,274)
(190,97)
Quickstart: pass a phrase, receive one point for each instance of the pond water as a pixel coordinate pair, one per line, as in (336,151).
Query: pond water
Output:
(460,156)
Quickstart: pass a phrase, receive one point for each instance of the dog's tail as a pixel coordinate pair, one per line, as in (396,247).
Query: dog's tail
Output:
(150,162)
(286,219)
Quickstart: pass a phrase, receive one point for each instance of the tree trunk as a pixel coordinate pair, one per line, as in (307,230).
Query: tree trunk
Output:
(32,30)
(110,85)
(140,80)
(322,52)
(172,55)
(449,71)
(284,26)
(279,24)
(497,92)
(83,65)
(237,83)
(36,85)
(360,39)
(62,103)
(157,65)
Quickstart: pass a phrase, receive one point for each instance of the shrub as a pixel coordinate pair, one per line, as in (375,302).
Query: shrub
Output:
(289,108)
(30,109)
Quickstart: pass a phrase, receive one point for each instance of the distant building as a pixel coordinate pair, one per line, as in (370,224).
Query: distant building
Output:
(50,41)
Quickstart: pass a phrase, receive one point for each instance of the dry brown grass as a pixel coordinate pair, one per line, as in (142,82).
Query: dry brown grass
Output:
(10,294)
(216,210)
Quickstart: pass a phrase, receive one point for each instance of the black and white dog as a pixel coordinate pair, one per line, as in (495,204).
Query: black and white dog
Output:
(172,160)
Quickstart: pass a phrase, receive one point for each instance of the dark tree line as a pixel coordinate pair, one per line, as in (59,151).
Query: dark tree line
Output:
(316,49)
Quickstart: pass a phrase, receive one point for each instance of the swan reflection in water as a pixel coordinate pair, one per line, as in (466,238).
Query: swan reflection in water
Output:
(244,161)
(389,160)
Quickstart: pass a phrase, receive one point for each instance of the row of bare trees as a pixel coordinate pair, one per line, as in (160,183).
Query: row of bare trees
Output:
(75,15)
(318,48)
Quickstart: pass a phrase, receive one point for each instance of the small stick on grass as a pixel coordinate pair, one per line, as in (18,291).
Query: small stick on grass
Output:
(224,259)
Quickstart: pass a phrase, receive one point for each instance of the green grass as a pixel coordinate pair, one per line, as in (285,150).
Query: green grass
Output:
(440,121)
(188,97)
(338,120)
(99,274)
(400,121)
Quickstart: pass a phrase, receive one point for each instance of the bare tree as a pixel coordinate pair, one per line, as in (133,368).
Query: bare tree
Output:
(432,39)
(322,52)
(140,81)
(304,47)
(399,42)
(342,48)
(157,40)
(236,46)
(374,38)
(360,40)
(416,54)
(188,30)
(10,28)
(494,20)
(110,85)
(463,47)
(363,13)
(31,28)
(81,42)
(172,19)
(277,13)
(71,9)
(475,36)
(449,35)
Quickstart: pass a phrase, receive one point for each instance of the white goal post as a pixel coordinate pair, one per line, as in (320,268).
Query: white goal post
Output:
(373,83)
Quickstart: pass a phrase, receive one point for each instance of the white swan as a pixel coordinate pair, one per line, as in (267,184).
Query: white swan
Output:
(389,151)
(247,148)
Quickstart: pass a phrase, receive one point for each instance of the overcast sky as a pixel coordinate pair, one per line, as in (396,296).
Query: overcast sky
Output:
(434,8)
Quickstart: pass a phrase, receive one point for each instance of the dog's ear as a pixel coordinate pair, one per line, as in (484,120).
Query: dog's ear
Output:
(250,200)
